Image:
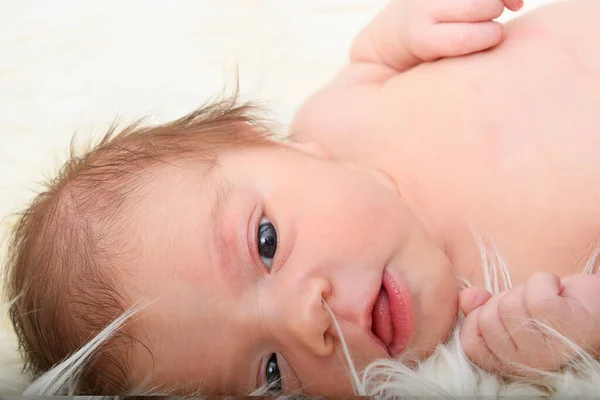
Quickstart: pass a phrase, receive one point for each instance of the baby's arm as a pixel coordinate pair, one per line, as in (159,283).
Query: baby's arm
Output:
(497,336)
(408,32)
(404,34)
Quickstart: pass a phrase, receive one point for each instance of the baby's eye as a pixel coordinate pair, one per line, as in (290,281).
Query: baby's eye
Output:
(267,242)
(272,374)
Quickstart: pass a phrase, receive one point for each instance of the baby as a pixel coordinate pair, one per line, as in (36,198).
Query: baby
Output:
(259,263)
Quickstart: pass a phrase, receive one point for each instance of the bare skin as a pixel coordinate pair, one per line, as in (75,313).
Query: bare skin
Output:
(500,143)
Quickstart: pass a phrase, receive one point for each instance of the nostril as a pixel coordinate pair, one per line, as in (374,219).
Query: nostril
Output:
(333,328)
(325,288)
(328,341)
(326,307)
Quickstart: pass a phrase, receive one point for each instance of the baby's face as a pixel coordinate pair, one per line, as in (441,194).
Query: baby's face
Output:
(240,259)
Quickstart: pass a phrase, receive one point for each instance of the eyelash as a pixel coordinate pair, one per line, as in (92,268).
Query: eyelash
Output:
(277,386)
(261,378)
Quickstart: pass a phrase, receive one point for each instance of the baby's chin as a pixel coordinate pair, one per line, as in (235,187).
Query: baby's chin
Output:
(437,320)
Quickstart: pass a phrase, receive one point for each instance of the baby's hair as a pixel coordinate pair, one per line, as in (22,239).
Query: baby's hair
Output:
(63,259)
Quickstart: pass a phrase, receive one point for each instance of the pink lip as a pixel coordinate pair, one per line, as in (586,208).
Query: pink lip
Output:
(392,316)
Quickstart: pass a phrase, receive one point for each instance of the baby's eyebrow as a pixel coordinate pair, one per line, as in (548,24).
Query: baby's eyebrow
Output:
(222,194)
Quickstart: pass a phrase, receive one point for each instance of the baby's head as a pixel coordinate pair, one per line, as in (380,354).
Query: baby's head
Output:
(241,248)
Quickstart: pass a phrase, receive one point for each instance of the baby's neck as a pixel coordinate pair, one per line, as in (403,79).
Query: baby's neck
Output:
(410,192)
(447,233)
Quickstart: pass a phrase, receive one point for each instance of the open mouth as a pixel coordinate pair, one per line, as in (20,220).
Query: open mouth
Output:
(382,325)
(392,316)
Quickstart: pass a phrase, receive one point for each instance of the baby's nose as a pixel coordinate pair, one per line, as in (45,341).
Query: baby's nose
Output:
(307,319)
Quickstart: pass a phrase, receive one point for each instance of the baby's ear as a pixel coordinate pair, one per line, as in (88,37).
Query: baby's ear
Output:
(313,148)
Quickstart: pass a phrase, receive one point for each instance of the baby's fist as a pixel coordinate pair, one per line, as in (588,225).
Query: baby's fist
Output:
(409,32)
(503,333)
(456,28)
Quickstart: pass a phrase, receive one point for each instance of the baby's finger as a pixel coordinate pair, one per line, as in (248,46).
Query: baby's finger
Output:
(495,334)
(456,39)
(533,348)
(544,302)
(514,316)
(546,305)
(474,345)
(513,5)
(473,297)
(466,11)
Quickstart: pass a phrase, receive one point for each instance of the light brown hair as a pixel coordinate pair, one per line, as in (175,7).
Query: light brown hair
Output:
(63,255)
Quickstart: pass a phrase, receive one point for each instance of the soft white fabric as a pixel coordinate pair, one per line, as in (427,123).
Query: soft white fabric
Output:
(71,66)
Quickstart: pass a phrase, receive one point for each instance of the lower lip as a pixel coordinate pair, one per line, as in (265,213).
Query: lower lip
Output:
(401,313)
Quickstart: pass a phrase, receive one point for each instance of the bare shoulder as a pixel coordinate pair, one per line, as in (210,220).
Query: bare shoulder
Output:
(340,115)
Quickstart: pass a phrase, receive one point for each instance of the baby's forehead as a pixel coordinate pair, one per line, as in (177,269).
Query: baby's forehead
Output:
(174,182)
(182,356)
(182,218)
(185,335)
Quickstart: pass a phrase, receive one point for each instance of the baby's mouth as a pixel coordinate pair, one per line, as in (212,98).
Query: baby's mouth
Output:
(392,319)
(382,325)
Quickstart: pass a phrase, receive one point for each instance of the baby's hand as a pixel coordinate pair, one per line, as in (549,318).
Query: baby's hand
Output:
(409,32)
(497,333)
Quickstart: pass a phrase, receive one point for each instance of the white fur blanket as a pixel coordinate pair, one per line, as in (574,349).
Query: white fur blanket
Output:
(71,66)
